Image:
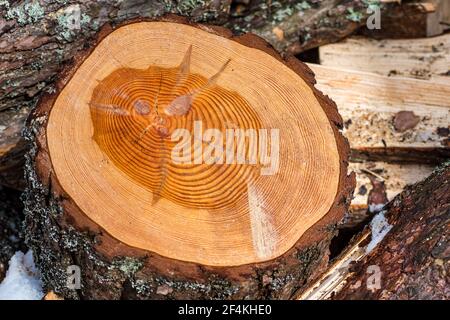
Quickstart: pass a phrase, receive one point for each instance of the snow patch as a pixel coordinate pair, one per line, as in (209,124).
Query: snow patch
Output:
(375,208)
(380,227)
(22,281)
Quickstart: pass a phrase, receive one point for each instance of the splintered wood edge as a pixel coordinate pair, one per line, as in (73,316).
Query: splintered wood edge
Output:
(335,278)
(111,247)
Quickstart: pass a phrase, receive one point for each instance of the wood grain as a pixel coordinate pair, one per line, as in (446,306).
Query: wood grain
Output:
(99,222)
(420,58)
(369,103)
(201,206)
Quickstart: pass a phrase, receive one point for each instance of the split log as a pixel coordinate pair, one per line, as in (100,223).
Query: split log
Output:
(421,58)
(390,119)
(404,255)
(105,193)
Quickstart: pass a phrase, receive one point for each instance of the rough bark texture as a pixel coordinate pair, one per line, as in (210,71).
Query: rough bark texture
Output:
(414,255)
(12,147)
(61,235)
(296,26)
(37,38)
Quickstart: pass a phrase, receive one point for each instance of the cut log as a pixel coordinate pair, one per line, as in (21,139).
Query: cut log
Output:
(413,259)
(419,58)
(294,27)
(390,119)
(404,255)
(36,41)
(108,190)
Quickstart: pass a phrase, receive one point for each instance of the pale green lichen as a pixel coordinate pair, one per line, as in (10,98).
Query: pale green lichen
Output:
(281,14)
(189,5)
(70,21)
(353,15)
(35,11)
(372,4)
(356,16)
(304,5)
(4,3)
(25,13)
(85,19)
(129,266)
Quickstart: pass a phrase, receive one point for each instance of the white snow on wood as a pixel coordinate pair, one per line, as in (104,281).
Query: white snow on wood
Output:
(263,233)
(380,227)
(22,280)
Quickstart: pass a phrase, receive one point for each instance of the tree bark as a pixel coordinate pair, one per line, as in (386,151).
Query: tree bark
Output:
(61,235)
(294,27)
(414,256)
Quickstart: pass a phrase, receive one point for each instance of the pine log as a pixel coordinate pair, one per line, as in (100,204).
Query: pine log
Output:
(390,119)
(37,38)
(414,256)
(103,192)
(404,254)
(296,26)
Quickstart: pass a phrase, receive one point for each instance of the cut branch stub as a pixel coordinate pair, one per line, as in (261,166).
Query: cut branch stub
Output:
(195,147)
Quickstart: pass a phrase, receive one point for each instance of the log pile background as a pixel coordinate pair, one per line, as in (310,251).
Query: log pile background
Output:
(392,86)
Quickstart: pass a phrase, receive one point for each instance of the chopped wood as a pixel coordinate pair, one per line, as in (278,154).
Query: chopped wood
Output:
(334,279)
(369,103)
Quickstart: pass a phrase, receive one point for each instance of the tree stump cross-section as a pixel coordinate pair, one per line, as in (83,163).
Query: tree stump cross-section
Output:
(178,161)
